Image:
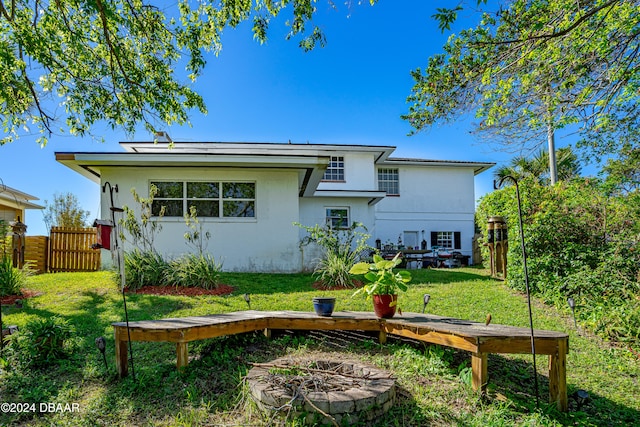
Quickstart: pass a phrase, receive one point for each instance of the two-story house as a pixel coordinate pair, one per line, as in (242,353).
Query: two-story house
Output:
(249,195)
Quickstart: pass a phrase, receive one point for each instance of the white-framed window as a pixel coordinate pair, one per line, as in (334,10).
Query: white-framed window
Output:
(446,239)
(217,199)
(337,218)
(389,181)
(335,170)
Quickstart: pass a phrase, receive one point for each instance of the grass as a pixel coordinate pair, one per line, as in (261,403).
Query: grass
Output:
(432,381)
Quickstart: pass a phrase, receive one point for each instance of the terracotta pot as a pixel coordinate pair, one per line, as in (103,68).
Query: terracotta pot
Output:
(381,305)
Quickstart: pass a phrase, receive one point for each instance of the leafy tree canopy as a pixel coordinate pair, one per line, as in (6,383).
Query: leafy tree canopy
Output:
(536,66)
(65,65)
(64,211)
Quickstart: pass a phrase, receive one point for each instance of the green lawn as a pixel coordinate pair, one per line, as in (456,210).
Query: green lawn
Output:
(433,381)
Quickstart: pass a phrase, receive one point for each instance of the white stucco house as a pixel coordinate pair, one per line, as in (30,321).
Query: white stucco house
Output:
(249,195)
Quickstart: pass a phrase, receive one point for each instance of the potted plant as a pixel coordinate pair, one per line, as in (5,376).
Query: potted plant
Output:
(382,283)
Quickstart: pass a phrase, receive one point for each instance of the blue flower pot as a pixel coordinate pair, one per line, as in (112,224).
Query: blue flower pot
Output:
(324,306)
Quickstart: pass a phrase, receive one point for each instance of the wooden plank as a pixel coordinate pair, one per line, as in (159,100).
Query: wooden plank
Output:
(325,323)
(479,371)
(519,345)
(433,336)
(469,328)
(122,359)
(182,354)
(558,376)
(36,251)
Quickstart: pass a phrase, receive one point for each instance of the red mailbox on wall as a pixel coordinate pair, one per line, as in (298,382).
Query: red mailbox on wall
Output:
(103,231)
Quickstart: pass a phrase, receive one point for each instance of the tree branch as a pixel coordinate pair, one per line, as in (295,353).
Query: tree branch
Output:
(4,13)
(554,34)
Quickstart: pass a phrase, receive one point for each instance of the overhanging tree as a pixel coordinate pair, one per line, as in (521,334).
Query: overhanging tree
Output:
(66,65)
(536,67)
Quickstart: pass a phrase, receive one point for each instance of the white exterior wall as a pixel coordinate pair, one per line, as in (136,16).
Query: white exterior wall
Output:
(431,199)
(359,173)
(312,211)
(266,243)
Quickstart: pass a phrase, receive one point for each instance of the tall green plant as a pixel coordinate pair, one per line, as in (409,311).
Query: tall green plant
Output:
(195,237)
(142,228)
(341,248)
(194,270)
(144,269)
(12,279)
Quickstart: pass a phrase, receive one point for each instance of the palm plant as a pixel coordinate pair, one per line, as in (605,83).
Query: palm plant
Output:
(537,168)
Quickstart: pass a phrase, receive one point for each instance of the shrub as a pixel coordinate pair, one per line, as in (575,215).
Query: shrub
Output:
(580,242)
(12,279)
(341,248)
(42,342)
(333,270)
(198,270)
(144,268)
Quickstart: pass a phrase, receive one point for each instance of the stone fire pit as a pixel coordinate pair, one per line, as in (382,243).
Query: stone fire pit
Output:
(333,392)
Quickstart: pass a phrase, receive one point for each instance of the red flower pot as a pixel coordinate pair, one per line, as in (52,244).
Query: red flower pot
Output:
(385,305)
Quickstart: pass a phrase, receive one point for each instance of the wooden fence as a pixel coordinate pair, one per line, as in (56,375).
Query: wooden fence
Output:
(70,250)
(36,253)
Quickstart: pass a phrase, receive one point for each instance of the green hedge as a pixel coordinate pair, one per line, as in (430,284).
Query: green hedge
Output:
(580,243)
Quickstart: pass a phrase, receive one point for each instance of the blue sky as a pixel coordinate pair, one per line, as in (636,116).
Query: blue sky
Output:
(352,91)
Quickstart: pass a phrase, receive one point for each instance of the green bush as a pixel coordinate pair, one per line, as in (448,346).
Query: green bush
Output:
(581,243)
(12,279)
(341,249)
(144,268)
(194,270)
(332,271)
(41,342)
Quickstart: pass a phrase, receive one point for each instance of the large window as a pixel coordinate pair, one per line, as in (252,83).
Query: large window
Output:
(337,218)
(389,181)
(211,199)
(446,239)
(335,170)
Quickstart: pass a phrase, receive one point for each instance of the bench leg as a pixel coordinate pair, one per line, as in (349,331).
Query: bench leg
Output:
(479,375)
(122,354)
(182,354)
(558,377)
(382,337)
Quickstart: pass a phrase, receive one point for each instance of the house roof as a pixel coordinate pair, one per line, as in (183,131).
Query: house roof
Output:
(310,160)
(16,199)
(478,166)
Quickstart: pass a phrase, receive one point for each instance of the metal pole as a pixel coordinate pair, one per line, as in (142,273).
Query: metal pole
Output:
(526,282)
(120,260)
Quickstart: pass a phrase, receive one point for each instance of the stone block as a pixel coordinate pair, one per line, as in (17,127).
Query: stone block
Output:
(340,402)
(320,399)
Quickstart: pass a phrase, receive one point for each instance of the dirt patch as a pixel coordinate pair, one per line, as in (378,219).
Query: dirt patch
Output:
(183,290)
(322,287)
(24,294)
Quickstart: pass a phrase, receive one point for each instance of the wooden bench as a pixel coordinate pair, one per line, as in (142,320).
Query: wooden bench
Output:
(477,338)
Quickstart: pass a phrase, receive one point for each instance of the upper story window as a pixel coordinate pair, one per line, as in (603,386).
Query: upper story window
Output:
(335,170)
(211,199)
(389,181)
